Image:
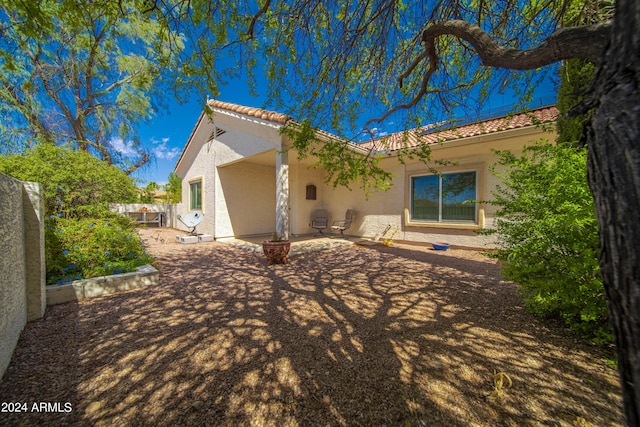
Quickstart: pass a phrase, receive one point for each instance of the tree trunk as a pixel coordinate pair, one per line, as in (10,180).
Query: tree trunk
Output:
(613,138)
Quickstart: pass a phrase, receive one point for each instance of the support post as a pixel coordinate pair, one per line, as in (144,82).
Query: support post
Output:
(282,193)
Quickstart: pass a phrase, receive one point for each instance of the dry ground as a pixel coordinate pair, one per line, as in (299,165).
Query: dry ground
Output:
(352,336)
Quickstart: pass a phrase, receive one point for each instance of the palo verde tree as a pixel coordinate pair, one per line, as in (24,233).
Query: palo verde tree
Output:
(80,72)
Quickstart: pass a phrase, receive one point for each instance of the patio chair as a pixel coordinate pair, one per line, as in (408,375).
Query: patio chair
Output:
(345,223)
(319,221)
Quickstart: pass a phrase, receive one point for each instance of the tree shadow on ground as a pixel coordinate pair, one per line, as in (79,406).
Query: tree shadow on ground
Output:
(44,372)
(347,336)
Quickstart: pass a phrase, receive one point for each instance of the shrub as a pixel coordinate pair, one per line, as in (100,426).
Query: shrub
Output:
(73,181)
(88,247)
(82,237)
(548,237)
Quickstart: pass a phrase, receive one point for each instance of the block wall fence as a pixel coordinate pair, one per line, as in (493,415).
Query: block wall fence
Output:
(22,261)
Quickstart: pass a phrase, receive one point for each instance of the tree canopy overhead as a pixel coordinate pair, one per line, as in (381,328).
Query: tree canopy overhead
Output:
(330,62)
(81,73)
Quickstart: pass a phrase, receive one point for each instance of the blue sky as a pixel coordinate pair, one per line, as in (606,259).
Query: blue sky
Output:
(169,130)
(167,133)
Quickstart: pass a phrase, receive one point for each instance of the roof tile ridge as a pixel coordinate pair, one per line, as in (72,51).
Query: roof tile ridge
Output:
(259,113)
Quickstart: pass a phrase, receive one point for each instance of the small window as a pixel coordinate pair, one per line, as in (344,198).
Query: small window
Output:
(311,192)
(195,195)
(444,198)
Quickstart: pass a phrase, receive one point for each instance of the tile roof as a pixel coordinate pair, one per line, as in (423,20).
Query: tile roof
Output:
(426,134)
(259,113)
(404,139)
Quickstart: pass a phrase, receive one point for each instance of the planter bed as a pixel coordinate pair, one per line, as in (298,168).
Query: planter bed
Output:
(103,285)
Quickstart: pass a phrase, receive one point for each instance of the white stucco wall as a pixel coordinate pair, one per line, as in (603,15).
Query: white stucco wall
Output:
(201,168)
(237,170)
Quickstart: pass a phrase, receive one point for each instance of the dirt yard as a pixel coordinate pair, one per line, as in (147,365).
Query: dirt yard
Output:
(351,336)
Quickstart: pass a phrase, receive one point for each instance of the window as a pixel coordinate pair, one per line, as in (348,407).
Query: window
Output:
(195,195)
(444,198)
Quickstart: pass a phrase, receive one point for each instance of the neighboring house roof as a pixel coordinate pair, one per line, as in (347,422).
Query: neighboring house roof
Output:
(434,134)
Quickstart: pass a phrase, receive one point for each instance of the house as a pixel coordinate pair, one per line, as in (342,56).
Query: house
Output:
(238,172)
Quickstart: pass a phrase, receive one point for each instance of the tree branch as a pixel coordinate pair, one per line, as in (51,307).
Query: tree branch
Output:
(262,11)
(144,159)
(586,42)
(434,60)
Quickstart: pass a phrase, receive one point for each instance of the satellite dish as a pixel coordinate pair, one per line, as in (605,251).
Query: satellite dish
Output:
(191,220)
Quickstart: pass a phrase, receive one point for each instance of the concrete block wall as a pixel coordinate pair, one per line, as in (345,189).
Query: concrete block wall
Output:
(170,210)
(22,265)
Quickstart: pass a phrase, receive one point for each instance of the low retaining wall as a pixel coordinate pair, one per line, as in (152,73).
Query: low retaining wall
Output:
(104,285)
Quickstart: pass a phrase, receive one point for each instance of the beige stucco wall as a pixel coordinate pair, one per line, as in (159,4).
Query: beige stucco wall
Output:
(22,280)
(13,308)
(35,268)
(380,209)
(300,175)
(246,200)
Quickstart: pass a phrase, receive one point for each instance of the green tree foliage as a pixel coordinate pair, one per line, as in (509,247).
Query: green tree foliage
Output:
(173,188)
(575,77)
(83,73)
(546,223)
(368,57)
(548,235)
(148,194)
(83,238)
(73,181)
(577,74)
(79,248)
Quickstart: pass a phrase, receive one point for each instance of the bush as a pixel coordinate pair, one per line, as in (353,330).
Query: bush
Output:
(88,247)
(548,236)
(73,181)
(83,238)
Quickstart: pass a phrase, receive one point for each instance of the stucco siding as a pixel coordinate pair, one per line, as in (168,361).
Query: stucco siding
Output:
(13,310)
(246,201)
(301,209)
(238,172)
(200,169)
(22,265)
(390,208)
(243,139)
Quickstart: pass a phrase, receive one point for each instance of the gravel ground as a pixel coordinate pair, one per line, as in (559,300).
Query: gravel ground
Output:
(351,336)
